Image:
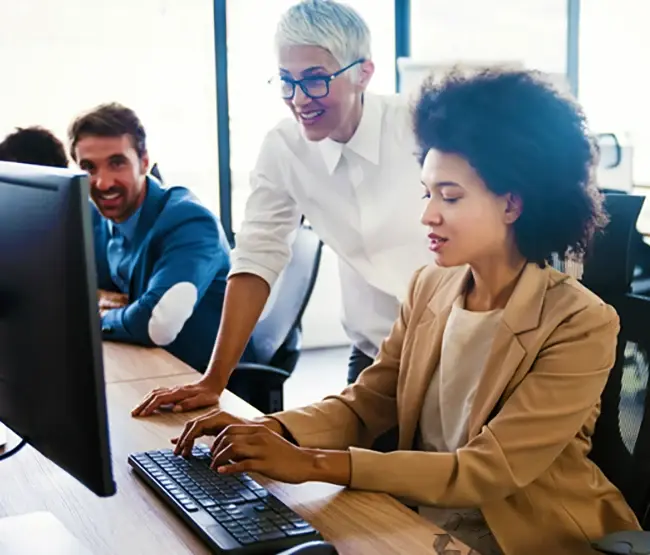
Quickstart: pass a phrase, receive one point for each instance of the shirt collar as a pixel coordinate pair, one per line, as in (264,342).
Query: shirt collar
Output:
(366,139)
(128,227)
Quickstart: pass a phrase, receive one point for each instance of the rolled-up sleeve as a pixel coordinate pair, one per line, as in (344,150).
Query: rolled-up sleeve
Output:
(263,244)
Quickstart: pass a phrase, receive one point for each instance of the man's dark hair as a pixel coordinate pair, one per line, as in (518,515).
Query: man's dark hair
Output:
(522,136)
(33,145)
(109,120)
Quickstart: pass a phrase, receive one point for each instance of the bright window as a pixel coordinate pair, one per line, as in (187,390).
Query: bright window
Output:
(155,56)
(531,32)
(614,42)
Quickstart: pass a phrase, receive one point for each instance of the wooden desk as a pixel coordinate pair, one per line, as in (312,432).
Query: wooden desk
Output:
(124,362)
(135,521)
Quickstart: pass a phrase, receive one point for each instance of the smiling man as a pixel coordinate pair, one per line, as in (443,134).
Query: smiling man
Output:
(162,258)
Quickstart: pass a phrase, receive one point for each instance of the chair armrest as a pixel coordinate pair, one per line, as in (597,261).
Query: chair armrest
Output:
(259,385)
(262,370)
(631,542)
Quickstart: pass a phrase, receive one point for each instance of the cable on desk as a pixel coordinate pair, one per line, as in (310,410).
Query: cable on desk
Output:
(14,450)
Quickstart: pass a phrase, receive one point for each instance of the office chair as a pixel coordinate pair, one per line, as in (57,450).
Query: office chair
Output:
(621,441)
(640,251)
(312,548)
(608,266)
(277,336)
(155,171)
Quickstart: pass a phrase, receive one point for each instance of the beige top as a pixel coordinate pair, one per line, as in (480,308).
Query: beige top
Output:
(466,344)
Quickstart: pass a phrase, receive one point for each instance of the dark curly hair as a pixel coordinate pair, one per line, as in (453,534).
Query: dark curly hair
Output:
(109,120)
(522,136)
(33,145)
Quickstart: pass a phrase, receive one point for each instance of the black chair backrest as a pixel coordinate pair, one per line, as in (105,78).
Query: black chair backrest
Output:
(289,297)
(155,171)
(609,264)
(621,442)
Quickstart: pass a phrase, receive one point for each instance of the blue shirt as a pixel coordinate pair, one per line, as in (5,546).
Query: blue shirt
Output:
(119,250)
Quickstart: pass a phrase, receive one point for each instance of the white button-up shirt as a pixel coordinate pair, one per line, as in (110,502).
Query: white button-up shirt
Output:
(362,198)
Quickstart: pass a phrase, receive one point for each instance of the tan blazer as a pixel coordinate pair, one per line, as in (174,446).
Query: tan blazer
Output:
(525,464)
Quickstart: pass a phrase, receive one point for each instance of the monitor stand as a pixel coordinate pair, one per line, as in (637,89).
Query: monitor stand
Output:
(36,534)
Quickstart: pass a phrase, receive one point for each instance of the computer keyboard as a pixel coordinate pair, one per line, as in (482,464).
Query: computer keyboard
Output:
(233,514)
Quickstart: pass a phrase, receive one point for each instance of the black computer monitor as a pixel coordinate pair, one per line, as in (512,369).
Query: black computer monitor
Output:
(52,390)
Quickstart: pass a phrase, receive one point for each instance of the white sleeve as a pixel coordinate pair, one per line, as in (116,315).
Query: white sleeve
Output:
(263,244)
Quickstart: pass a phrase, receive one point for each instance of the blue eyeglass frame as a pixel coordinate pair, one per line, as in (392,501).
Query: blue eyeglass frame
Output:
(327,79)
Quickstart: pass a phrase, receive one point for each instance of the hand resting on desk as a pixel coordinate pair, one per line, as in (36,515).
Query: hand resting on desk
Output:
(259,445)
(181,398)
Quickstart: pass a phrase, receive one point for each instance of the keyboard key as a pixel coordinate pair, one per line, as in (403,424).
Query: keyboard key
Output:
(248,495)
(299,531)
(190,507)
(232,526)
(231,499)
(268,536)
(206,503)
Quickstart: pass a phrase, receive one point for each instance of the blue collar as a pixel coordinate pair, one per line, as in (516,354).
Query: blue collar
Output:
(128,227)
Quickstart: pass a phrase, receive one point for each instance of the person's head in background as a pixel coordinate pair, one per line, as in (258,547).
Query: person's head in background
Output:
(33,145)
(507,166)
(109,142)
(324,46)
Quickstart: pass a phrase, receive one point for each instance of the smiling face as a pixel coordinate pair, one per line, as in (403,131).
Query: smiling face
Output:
(467,222)
(117,174)
(335,115)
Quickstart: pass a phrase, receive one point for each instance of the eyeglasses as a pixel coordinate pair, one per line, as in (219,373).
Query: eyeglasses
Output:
(314,86)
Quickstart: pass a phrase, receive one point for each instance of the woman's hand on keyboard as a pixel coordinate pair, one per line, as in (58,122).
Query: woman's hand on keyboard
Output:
(212,424)
(254,447)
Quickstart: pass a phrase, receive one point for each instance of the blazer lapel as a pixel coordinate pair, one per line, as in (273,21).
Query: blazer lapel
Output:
(522,313)
(154,202)
(152,206)
(504,359)
(425,354)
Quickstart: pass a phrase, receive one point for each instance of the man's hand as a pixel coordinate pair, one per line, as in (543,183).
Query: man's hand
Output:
(109,300)
(213,423)
(181,398)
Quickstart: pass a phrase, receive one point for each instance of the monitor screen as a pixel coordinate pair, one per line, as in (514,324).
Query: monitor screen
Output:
(52,390)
